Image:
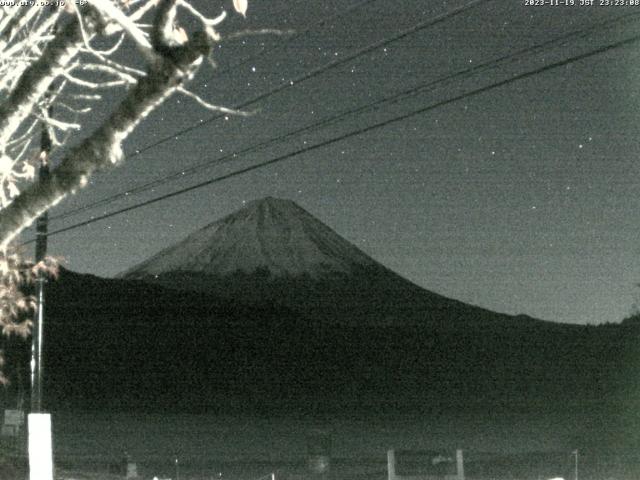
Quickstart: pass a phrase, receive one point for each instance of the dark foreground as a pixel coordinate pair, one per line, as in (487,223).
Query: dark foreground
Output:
(496,444)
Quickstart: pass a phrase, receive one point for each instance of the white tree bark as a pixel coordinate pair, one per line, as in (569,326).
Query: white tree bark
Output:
(174,64)
(37,78)
(32,59)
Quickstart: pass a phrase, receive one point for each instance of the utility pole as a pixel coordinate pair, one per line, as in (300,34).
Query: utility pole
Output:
(37,336)
(39,423)
(575,452)
(40,442)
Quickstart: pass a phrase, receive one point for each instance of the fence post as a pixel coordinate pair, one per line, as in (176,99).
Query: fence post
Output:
(460,464)
(40,449)
(391,464)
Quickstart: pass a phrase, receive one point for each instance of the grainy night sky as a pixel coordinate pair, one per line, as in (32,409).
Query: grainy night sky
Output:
(521,199)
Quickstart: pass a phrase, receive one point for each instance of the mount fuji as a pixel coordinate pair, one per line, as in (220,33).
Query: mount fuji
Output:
(270,234)
(273,252)
(268,308)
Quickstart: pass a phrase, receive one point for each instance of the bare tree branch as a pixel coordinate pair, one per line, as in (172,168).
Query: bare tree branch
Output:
(36,79)
(45,62)
(103,147)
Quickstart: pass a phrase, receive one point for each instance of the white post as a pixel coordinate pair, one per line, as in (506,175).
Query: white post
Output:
(40,448)
(460,464)
(391,464)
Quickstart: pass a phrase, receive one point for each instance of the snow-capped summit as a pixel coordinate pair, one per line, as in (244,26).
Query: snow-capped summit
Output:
(269,234)
(272,251)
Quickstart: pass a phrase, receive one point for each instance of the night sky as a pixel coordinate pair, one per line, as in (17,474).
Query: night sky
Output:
(520,199)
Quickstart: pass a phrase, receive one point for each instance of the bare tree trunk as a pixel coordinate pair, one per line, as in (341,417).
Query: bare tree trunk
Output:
(103,148)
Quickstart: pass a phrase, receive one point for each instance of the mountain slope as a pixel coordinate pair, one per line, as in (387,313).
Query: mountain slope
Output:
(121,344)
(269,234)
(274,252)
(268,308)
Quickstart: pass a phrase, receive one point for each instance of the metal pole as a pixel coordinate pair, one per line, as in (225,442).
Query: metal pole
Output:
(41,252)
(40,439)
(576,471)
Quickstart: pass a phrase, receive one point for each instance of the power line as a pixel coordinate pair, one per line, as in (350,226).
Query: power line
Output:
(316,71)
(312,73)
(263,51)
(360,131)
(421,88)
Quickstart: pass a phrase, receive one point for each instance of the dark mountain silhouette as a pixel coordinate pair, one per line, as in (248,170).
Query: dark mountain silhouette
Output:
(273,252)
(270,309)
